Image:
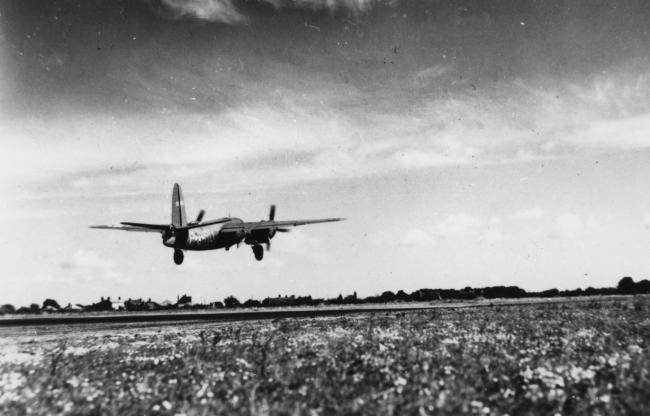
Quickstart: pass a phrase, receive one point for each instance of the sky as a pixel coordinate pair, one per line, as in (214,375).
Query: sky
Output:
(468,143)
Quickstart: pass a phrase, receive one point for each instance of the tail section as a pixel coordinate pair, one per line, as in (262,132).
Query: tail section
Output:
(179,219)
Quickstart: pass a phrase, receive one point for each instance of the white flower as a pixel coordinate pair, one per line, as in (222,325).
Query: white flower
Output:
(73,381)
(634,349)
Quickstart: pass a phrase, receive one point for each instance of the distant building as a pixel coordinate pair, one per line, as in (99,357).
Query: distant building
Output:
(184,301)
(102,305)
(140,305)
(73,308)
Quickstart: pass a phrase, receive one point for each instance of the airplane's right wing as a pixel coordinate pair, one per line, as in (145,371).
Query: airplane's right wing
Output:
(127,228)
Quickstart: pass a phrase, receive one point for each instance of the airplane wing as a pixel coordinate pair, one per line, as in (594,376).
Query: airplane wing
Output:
(294,223)
(126,228)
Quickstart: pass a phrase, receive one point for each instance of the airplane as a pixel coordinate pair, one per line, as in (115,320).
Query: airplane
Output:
(213,234)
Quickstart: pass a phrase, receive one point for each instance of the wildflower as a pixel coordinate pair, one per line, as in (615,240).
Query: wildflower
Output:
(634,349)
(167,405)
(507,393)
(73,381)
(442,399)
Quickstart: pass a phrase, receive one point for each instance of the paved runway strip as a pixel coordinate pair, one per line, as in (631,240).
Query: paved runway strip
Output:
(256,314)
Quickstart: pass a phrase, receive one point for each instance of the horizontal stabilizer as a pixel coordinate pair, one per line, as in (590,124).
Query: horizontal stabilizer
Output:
(203,224)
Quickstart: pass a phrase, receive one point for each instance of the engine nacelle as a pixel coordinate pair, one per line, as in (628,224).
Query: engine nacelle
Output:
(259,236)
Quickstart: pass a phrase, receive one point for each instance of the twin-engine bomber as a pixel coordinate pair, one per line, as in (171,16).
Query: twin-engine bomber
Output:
(213,234)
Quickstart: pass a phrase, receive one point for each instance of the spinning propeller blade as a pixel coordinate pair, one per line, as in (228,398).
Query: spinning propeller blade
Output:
(200,216)
(272,213)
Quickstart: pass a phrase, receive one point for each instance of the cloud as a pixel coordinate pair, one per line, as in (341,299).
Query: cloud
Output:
(529,214)
(355,6)
(87,266)
(571,226)
(427,75)
(225,11)
(458,225)
(491,237)
(416,237)
(567,226)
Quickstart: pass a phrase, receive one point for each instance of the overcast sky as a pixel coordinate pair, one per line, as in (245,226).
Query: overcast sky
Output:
(469,143)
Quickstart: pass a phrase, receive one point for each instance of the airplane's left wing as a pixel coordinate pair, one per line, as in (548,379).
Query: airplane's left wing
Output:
(295,223)
(279,225)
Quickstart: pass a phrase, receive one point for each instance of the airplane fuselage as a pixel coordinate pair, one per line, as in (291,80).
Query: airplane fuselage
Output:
(216,236)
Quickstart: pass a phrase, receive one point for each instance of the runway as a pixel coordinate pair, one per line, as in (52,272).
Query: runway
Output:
(224,315)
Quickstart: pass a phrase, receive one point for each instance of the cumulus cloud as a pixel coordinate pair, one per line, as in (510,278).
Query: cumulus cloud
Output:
(458,225)
(491,237)
(572,226)
(88,266)
(223,11)
(416,237)
(529,213)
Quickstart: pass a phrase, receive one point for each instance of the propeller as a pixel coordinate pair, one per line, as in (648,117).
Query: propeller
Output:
(272,231)
(200,216)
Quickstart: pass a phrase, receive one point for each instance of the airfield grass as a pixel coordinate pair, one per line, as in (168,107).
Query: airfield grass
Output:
(574,358)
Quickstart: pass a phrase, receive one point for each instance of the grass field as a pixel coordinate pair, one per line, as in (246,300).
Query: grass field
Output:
(576,358)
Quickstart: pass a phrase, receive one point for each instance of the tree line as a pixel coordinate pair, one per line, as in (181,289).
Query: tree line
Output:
(626,286)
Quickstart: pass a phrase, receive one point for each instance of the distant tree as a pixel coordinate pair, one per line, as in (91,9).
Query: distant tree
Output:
(626,285)
(550,293)
(252,303)
(388,296)
(503,292)
(7,308)
(33,308)
(231,302)
(402,296)
(643,286)
(218,305)
(52,303)
(424,295)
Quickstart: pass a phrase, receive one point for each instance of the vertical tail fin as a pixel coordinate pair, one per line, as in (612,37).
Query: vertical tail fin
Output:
(178,208)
